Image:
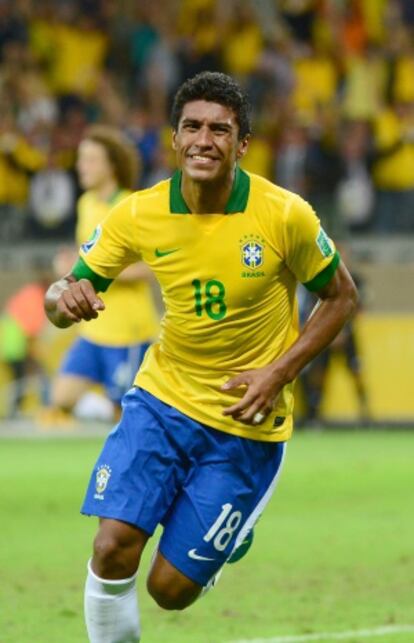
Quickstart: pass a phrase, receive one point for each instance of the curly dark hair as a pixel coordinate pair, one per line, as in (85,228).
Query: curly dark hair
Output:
(214,87)
(121,153)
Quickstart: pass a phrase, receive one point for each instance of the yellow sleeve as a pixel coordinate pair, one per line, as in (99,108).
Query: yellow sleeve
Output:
(309,253)
(112,247)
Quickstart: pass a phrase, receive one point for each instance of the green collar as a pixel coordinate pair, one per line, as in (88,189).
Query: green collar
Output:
(237,200)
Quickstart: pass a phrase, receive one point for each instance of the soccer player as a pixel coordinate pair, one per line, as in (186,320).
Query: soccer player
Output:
(109,350)
(202,434)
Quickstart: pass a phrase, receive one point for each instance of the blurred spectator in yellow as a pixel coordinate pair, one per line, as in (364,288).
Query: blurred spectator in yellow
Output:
(79,50)
(402,65)
(18,158)
(242,41)
(316,80)
(393,168)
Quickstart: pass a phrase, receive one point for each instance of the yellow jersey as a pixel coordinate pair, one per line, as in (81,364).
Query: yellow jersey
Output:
(228,282)
(130,316)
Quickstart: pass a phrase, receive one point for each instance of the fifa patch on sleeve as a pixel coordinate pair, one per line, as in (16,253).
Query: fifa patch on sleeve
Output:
(94,238)
(324,243)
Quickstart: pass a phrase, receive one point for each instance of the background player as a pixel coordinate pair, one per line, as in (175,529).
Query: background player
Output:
(201,439)
(109,350)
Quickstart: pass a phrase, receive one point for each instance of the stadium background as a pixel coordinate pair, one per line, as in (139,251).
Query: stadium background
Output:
(332,85)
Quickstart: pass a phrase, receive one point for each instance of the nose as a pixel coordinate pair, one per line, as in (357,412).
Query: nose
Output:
(204,137)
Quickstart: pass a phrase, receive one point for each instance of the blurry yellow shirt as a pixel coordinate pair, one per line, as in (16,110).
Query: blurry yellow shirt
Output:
(129,316)
(365,82)
(396,170)
(316,80)
(241,50)
(403,90)
(228,282)
(78,60)
(259,157)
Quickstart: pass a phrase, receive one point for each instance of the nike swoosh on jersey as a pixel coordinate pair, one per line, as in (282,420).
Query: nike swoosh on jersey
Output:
(193,554)
(164,253)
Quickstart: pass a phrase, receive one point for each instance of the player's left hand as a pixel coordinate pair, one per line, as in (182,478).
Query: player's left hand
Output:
(263,387)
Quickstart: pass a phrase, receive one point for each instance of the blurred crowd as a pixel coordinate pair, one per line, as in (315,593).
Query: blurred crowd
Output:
(331,83)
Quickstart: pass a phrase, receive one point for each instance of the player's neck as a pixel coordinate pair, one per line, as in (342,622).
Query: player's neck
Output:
(106,190)
(206,197)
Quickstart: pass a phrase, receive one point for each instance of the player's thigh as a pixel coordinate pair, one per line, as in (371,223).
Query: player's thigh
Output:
(68,389)
(139,471)
(79,369)
(214,512)
(169,587)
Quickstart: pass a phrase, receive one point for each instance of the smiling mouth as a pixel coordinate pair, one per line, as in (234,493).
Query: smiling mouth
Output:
(199,158)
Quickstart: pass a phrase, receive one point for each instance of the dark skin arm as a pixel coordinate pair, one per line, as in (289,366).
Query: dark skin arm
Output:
(338,302)
(68,301)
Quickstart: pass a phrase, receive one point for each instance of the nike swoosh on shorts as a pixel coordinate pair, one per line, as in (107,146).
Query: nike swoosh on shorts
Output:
(193,554)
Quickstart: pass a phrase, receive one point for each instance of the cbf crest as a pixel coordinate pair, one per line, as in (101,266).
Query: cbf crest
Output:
(103,474)
(93,240)
(252,255)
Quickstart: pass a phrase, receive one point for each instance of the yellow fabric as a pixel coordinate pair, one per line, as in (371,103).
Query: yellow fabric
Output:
(364,87)
(403,90)
(130,316)
(41,36)
(396,171)
(316,80)
(374,18)
(13,183)
(241,50)
(188,11)
(78,59)
(14,167)
(196,353)
(259,158)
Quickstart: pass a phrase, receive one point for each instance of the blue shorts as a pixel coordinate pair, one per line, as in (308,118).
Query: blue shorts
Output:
(206,487)
(112,367)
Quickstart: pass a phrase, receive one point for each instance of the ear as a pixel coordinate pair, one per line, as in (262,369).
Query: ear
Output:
(174,140)
(242,147)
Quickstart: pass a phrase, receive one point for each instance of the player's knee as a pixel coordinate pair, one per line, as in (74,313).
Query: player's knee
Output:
(109,557)
(170,596)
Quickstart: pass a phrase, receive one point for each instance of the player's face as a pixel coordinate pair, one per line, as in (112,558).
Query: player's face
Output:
(93,166)
(206,141)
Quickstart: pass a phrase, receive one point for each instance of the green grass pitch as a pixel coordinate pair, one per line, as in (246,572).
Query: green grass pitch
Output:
(333,551)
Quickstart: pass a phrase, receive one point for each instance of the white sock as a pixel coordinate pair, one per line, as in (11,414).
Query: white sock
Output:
(111,609)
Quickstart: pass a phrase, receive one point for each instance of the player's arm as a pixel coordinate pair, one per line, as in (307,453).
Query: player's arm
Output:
(338,302)
(101,259)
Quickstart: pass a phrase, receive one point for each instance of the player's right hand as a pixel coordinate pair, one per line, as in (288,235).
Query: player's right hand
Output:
(69,302)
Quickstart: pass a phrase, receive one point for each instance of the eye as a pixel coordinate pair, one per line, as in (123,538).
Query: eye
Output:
(221,130)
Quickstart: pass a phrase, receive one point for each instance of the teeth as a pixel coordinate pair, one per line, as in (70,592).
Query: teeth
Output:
(197,157)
